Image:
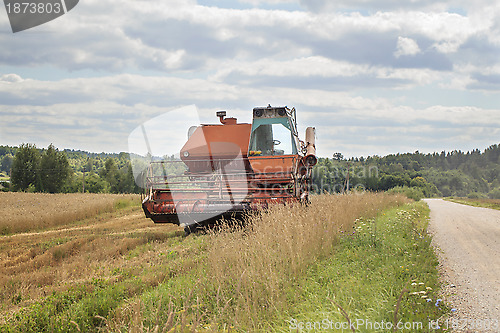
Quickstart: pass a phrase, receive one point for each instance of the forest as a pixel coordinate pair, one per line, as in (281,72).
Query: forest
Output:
(30,169)
(473,174)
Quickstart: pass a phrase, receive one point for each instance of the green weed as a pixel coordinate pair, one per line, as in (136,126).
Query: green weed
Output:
(485,203)
(383,271)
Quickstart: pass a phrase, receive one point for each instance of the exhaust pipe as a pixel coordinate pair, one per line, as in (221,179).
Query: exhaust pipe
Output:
(310,159)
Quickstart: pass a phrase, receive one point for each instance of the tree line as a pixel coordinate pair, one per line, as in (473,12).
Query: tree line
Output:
(49,170)
(473,174)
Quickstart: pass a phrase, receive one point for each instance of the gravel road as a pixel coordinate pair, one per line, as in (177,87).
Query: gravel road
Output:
(468,245)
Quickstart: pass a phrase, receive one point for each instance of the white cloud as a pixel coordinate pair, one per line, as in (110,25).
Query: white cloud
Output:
(414,77)
(406,47)
(273,2)
(298,67)
(344,69)
(143,34)
(114,106)
(10,78)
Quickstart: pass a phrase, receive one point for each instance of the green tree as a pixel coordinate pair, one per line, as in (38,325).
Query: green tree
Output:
(127,182)
(495,193)
(25,167)
(338,156)
(93,183)
(111,174)
(6,163)
(54,170)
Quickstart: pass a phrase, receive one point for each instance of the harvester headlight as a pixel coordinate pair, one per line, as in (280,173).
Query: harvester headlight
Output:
(258,113)
(186,154)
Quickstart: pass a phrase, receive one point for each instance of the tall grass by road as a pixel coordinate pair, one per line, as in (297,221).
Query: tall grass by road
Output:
(382,278)
(259,262)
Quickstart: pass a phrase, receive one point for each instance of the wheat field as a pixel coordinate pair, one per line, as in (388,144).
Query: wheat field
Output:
(21,212)
(59,253)
(242,271)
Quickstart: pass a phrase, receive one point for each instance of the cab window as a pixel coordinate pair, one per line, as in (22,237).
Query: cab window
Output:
(271,139)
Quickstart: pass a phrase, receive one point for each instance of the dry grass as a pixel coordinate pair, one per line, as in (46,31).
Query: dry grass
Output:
(34,265)
(254,266)
(21,212)
(46,251)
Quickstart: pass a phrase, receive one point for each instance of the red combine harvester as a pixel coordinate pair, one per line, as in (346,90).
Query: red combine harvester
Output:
(227,169)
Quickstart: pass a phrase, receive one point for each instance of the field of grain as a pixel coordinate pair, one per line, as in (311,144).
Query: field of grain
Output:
(40,263)
(120,272)
(21,212)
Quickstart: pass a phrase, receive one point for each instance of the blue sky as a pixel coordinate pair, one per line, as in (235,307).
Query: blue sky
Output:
(374,77)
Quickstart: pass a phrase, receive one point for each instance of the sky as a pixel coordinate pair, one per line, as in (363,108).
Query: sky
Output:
(373,77)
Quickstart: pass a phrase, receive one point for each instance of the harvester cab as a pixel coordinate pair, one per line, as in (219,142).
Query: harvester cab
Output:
(273,132)
(230,168)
